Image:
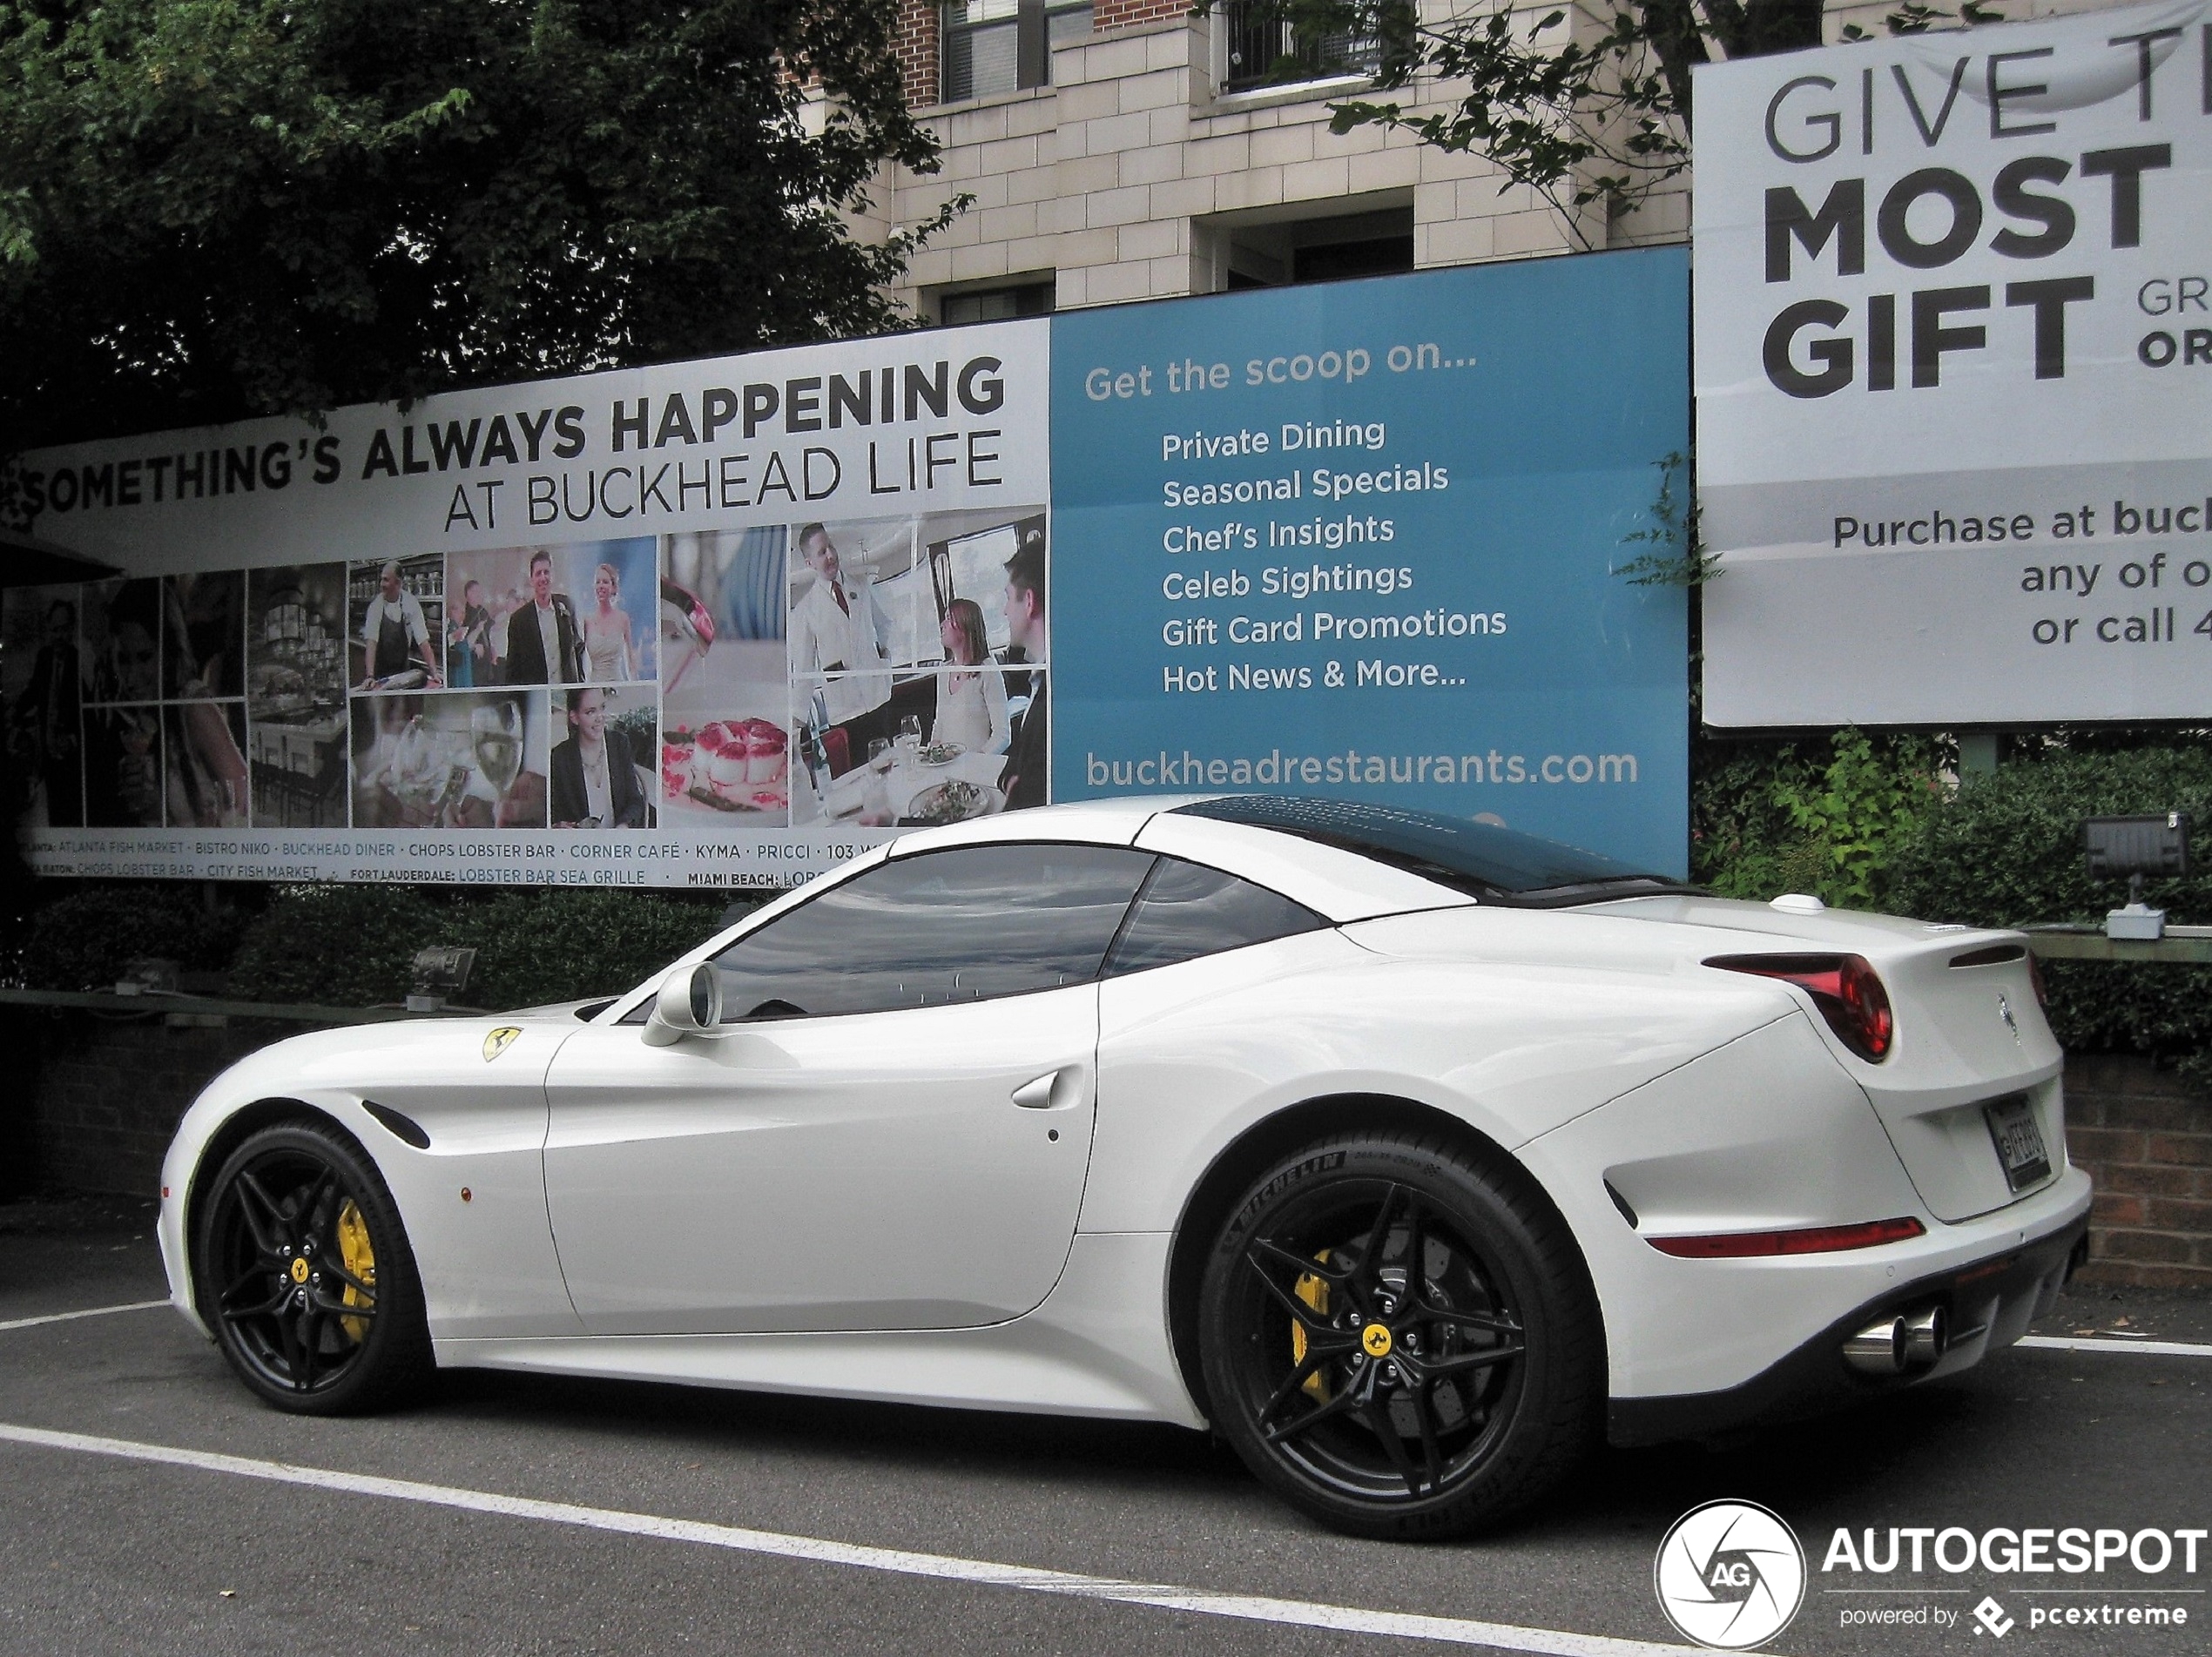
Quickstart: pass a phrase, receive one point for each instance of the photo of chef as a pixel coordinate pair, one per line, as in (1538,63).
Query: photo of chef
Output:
(520,623)
(933,733)
(203,644)
(42,689)
(605,743)
(121,627)
(724,750)
(397,610)
(618,607)
(453,759)
(295,695)
(206,777)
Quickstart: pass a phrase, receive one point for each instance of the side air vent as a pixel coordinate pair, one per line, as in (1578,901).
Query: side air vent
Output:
(402,1127)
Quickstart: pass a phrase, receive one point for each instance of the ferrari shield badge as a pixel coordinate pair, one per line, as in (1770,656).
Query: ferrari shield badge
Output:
(498,1042)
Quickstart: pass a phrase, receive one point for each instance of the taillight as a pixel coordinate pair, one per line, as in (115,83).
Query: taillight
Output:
(2035,979)
(1817,1239)
(1845,987)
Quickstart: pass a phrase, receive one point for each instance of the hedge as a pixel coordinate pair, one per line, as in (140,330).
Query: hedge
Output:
(350,946)
(354,946)
(2005,849)
(86,939)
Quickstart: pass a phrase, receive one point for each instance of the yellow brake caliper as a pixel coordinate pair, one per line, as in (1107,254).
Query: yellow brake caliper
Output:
(360,1262)
(1315,1293)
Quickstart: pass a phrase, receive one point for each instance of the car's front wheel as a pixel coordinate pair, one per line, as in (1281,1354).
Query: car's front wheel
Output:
(306,1276)
(1399,1339)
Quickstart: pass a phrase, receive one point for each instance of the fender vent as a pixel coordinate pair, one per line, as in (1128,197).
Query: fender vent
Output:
(402,1127)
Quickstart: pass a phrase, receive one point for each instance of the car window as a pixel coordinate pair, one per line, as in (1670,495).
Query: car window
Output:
(1187,910)
(956,925)
(1487,862)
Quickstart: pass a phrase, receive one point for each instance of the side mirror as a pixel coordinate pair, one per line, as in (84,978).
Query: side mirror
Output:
(689,1003)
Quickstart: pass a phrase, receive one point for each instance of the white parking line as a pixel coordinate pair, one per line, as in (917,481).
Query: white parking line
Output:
(67,1317)
(2086,1344)
(1398,1625)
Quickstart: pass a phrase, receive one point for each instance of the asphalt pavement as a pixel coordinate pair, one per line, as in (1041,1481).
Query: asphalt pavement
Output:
(164,1511)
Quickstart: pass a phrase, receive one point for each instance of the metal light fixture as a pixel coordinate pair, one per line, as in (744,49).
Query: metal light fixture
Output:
(2136,846)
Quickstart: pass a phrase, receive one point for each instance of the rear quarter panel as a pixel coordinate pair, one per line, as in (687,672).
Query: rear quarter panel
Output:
(1192,1056)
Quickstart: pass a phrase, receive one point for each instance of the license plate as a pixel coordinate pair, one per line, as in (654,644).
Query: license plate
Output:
(2018,1139)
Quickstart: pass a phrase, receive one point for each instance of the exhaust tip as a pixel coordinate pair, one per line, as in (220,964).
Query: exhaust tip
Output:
(1879,1348)
(1926,1336)
(1895,1346)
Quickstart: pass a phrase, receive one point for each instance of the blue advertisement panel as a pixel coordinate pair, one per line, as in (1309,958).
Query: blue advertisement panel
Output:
(1362,540)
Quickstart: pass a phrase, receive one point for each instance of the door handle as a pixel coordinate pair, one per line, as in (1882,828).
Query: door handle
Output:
(1037,1095)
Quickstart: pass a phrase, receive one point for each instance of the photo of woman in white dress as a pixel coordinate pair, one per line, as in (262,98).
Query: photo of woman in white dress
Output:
(608,653)
(971,705)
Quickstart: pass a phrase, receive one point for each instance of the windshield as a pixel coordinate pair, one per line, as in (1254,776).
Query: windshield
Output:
(1497,864)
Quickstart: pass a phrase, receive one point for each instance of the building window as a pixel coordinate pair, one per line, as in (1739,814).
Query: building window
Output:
(997,304)
(1266,42)
(992,46)
(1283,253)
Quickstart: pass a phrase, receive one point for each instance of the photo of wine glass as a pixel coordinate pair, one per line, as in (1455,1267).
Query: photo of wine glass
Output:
(495,739)
(459,759)
(910,736)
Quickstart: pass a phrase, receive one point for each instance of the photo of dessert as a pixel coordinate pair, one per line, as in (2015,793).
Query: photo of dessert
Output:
(727,767)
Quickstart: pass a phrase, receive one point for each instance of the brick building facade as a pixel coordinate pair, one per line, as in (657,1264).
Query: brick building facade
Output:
(1147,168)
(1125,150)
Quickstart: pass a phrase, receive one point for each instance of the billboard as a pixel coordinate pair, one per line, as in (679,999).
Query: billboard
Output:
(1359,539)
(1954,374)
(724,623)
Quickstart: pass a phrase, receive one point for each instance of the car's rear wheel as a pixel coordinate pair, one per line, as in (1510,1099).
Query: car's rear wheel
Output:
(1401,1340)
(306,1273)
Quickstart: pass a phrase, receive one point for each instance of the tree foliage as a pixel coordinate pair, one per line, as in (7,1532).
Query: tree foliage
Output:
(216,208)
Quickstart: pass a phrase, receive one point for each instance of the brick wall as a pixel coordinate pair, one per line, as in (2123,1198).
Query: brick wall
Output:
(2147,1142)
(1106,15)
(109,1095)
(917,46)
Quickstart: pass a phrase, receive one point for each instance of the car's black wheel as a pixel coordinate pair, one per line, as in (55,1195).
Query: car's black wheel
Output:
(306,1276)
(1401,1341)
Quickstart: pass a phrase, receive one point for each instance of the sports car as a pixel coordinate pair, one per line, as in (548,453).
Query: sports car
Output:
(1414,1155)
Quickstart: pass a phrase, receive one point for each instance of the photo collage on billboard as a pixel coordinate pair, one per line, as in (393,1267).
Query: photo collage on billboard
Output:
(918,665)
(125,702)
(877,673)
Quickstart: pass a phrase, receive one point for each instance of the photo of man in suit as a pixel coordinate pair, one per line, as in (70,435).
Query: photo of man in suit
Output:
(544,644)
(1027,780)
(43,725)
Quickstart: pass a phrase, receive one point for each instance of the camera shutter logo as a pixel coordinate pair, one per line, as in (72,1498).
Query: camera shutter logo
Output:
(1729,1575)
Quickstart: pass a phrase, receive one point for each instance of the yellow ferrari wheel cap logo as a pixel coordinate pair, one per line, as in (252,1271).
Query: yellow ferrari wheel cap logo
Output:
(299,1270)
(499,1041)
(1375,1339)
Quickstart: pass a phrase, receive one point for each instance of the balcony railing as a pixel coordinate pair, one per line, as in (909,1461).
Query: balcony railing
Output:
(1267,44)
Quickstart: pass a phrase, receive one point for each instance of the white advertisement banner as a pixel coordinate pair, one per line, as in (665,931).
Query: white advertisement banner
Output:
(672,626)
(1954,367)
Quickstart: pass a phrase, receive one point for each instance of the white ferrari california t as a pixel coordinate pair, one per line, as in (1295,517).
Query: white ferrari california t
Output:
(1412,1156)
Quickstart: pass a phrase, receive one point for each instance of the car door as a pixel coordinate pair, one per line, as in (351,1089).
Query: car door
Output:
(891,1131)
